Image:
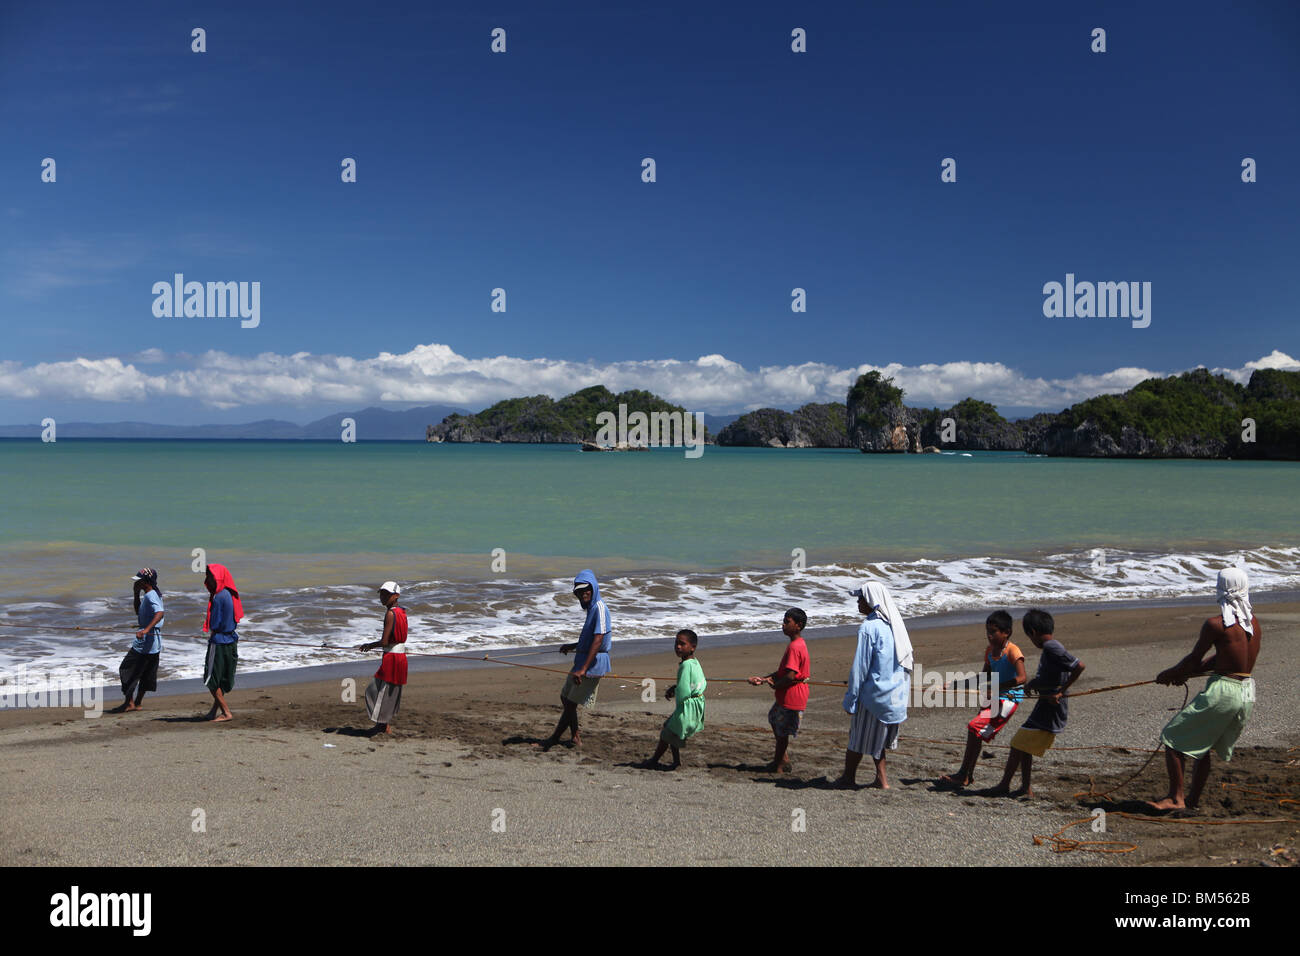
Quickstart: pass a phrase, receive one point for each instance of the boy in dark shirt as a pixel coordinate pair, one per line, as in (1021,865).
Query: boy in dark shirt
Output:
(1057,670)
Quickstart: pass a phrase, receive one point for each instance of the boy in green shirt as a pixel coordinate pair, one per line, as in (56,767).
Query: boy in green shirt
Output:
(688,716)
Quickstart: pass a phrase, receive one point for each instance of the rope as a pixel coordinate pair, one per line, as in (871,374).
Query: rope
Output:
(1092,795)
(1064,844)
(65,627)
(111,630)
(502,660)
(745,680)
(1281,798)
(1102,690)
(1058,842)
(631,677)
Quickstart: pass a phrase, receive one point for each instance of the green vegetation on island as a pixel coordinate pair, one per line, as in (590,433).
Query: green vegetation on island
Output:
(541,419)
(1193,415)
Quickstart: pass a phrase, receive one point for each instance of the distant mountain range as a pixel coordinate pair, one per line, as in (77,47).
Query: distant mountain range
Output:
(372,424)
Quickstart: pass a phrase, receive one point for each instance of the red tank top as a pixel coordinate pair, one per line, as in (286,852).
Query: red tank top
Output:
(393,666)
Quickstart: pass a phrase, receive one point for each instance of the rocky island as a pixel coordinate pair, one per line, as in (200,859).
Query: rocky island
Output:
(1193,415)
(540,419)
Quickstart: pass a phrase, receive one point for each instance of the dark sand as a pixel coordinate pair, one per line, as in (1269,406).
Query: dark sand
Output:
(123,789)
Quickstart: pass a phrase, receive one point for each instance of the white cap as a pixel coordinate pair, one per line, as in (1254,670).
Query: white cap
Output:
(391,587)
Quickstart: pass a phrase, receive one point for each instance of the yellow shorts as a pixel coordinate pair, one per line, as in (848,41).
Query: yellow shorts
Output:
(1036,742)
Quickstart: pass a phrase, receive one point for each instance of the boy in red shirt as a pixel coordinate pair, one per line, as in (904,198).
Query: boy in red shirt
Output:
(788,680)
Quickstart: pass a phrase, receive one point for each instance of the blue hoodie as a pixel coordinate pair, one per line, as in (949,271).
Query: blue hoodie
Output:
(597,623)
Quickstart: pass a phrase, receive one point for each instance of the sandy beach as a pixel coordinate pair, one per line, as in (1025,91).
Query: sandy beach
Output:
(292,781)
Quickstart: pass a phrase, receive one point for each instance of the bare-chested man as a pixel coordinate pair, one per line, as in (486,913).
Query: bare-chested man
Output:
(1216,716)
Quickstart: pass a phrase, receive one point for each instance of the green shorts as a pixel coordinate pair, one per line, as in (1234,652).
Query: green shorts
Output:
(584,693)
(1213,720)
(219,666)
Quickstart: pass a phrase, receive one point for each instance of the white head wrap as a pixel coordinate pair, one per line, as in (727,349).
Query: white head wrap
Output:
(1234,598)
(882,603)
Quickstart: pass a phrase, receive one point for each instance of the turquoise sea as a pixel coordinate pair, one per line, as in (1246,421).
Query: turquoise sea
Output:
(484,537)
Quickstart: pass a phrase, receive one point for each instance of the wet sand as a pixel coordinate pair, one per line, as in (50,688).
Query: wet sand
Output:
(293,780)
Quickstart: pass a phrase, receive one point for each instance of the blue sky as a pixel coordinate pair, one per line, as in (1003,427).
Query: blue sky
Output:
(522,171)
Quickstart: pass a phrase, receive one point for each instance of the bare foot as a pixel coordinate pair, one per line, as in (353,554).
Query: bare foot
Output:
(223,718)
(1168,803)
(120,709)
(954,781)
(546,744)
(1022,792)
(212,713)
(131,707)
(577,742)
(877,785)
(783,767)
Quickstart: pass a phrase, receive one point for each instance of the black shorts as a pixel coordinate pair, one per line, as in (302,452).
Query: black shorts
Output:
(139,672)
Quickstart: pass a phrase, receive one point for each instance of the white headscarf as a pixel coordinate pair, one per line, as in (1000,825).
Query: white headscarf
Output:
(1234,598)
(882,603)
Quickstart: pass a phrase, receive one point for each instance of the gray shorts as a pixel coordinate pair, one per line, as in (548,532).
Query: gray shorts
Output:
(583,694)
(785,722)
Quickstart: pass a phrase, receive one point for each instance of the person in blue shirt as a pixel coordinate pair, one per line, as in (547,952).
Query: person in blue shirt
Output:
(139,670)
(590,659)
(878,684)
(225,610)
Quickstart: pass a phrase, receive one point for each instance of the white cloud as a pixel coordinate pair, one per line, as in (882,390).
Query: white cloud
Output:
(1274,359)
(434,373)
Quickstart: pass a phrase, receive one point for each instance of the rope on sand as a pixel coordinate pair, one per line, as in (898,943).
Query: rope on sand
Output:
(1064,844)
(1091,794)
(1281,798)
(1058,842)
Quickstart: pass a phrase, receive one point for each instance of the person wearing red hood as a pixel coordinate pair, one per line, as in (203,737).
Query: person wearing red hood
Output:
(224,613)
